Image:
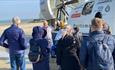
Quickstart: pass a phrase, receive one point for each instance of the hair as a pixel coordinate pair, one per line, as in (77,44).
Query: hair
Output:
(62,24)
(69,29)
(58,23)
(45,22)
(37,32)
(98,15)
(76,28)
(107,29)
(97,23)
(16,20)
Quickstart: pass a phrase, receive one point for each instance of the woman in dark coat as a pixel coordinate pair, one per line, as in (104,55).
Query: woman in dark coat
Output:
(67,57)
(38,35)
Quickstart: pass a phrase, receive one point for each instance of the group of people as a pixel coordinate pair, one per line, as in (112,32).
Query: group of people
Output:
(73,51)
(94,52)
(15,40)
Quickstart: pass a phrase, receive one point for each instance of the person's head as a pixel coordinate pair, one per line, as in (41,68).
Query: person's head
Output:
(98,15)
(76,29)
(69,30)
(62,24)
(58,23)
(106,28)
(97,24)
(45,23)
(38,32)
(16,20)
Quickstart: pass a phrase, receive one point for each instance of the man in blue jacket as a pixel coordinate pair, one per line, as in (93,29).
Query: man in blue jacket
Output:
(13,38)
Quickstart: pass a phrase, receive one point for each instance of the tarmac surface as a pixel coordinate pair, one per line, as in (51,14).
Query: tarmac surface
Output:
(5,64)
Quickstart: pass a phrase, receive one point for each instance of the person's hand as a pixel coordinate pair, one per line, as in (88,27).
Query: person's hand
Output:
(5,45)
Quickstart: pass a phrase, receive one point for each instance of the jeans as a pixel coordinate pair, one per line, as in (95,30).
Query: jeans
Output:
(17,62)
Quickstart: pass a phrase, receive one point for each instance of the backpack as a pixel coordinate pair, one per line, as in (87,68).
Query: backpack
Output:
(35,53)
(101,54)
